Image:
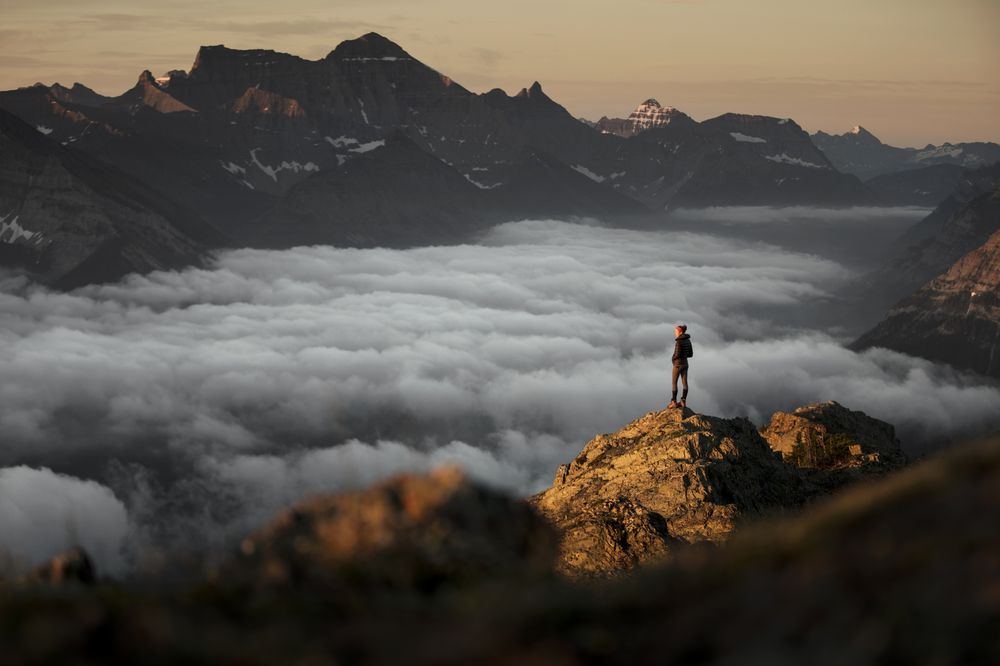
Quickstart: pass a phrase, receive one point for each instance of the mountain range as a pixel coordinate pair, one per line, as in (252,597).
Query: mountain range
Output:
(369,146)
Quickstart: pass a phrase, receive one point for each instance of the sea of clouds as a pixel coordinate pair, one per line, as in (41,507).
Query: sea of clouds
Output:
(187,407)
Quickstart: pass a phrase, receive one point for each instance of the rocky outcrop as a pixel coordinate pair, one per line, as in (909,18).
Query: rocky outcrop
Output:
(413,532)
(668,478)
(837,444)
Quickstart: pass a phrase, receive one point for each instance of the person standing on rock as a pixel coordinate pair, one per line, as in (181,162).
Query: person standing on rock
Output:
(682,352)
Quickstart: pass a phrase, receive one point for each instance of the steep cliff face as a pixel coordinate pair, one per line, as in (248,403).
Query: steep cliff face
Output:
(959,224)
(668,478)
(68,220)
(954,318)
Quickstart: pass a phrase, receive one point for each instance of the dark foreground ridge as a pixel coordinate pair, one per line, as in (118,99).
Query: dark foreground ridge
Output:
(438,569)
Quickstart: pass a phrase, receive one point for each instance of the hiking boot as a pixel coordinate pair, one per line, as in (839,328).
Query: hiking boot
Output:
(672,405)
(683,403)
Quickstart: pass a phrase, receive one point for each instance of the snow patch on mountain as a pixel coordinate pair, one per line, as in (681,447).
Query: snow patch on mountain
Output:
(785,158)
(367,147)
(481,186)
(341,141)
(745,138)
(938,152)
(294,167)
(11,232)
(233,168)
(588,173)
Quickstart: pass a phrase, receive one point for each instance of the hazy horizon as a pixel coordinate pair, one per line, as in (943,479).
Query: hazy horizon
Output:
(911,72)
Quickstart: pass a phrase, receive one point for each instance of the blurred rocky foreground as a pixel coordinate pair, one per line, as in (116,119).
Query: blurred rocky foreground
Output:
(436,569)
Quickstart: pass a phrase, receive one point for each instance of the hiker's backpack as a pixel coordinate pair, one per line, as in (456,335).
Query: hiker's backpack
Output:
(690,349)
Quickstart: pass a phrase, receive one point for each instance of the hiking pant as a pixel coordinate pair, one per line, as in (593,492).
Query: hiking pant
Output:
(682,372)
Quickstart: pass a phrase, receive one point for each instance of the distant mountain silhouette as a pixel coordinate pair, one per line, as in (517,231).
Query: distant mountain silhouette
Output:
(861,153)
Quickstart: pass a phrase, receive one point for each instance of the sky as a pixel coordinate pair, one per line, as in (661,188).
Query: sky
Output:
(911,71)
(189,407)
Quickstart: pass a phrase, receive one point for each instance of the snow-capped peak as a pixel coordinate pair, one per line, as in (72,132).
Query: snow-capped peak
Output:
(651,114)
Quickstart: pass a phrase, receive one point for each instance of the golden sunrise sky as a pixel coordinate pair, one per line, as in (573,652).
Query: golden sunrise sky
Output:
(911,71)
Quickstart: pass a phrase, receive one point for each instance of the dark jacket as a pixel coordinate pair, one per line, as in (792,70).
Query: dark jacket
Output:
(682,350)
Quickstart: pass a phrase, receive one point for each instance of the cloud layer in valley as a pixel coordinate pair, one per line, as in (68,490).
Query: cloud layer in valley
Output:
(206,399)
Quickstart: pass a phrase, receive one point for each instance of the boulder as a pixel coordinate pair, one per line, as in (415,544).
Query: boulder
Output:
(828,436)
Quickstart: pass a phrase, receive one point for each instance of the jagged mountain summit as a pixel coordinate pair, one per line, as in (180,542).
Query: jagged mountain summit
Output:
(646,116)
(861,153)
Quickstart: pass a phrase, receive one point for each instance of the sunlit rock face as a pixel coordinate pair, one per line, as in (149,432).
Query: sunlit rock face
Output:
(668,478)
(834,445)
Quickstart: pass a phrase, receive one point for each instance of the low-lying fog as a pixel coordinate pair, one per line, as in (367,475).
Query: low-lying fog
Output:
(188,407)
